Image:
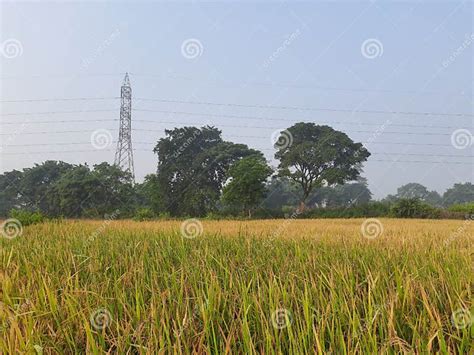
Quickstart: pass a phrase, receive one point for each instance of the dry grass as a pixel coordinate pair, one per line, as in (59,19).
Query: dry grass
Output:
(298,286)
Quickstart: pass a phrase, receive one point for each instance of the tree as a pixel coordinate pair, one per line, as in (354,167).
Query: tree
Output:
(9,191)
(282,192)
(247,186)
(413,208)
(114,190)
(93,193)
(318,156)
(148,194)
(434,199)
(73,192)
(192,168)
(345,195)
(412,190)
(37,183)
(458,194)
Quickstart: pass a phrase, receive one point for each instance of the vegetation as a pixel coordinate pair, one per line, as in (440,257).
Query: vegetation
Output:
(414,208)
(283,286)
(199,174)
(467,208)
(247,186)
(193,168)
(315,156)
(27,218)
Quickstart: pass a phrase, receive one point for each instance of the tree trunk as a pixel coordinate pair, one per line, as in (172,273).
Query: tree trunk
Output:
(302,207)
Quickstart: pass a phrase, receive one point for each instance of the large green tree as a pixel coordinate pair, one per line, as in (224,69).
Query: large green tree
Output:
(82,191)
(10,195)
(315,156)
(192,168)
(148,194)
(415,190)
(37,184)
(458,194)
(345,195)
(282,193)
(246,188)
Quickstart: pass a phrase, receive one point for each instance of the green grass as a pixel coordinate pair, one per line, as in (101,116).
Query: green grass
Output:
(159,292)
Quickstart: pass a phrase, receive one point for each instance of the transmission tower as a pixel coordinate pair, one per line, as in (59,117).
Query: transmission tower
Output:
(124,152)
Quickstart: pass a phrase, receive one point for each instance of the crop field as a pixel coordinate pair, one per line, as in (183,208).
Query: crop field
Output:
(273,286)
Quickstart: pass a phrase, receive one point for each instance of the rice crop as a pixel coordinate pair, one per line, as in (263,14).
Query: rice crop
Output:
(265,286)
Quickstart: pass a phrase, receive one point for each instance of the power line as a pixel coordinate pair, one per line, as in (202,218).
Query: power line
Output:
(63,99)
(153,143)
(62,121)
(299,108)
(371,132)
(66,143)
(233,136)
(301,86)
(259,118)
(53,112)
(52,76)
(146,150)
(48,132)
(226,84)
(202,114)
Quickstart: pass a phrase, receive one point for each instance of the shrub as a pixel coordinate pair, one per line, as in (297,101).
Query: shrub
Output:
(414,208)
(467,208)
(371,209)
(164,215)
(27,217)
(144,214)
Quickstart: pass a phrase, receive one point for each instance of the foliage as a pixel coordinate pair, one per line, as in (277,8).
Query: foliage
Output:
(467,208)
(144,214)
(459,194)
(27,218)
(247,186)
(60,189)
(346,195)
(148,194)
(316,156)
(142,288)
(417,191)
(93,193)
(193,165)
(420,192)
(369,209)
(414,208)
(282,192)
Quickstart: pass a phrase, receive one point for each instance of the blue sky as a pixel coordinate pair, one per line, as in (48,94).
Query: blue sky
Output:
(297,54)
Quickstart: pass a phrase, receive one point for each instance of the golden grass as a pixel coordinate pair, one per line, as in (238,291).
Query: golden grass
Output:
(273,286)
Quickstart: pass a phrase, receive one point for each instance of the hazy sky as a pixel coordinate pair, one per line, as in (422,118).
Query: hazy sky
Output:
(341,56)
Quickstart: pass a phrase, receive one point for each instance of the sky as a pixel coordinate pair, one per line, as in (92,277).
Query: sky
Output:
(395,75)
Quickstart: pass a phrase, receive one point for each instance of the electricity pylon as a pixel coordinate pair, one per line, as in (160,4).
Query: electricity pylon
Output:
(124,152)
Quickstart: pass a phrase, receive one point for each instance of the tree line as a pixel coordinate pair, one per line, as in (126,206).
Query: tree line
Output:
(198,174)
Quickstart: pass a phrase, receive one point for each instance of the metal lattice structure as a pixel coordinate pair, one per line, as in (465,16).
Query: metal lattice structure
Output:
(124,152)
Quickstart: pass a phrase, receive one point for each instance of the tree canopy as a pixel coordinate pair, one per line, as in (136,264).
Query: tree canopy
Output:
(193,164)
(198,173)
(247,186)
(318,156)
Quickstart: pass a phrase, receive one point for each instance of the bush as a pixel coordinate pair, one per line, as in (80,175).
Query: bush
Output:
(213,216)
(144,214)
(466,208)
(414,208)
(164,215)
(371,209)
(27,217)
